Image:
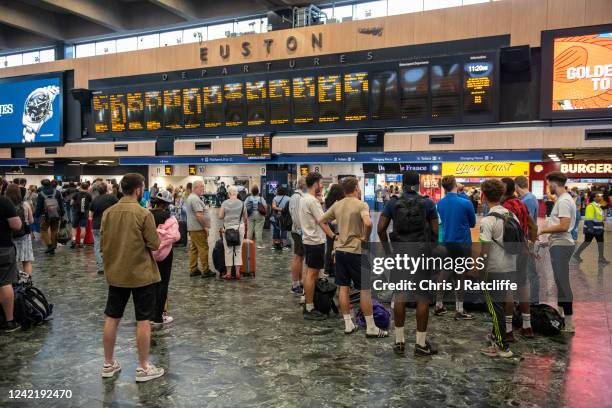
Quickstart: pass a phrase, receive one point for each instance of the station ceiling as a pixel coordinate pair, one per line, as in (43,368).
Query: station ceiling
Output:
(41,23)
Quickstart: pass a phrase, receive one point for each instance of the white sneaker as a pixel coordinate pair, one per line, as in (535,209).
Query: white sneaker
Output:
(302,300)
(109,370)
(569,327)
(150,373)
(167,319)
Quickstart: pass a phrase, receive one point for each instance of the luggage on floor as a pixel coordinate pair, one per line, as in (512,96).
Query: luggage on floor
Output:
(324,296)
(184,234)
(382,317)
(545,319)
(248,257)
(31,305)
(218,257)
(64,234)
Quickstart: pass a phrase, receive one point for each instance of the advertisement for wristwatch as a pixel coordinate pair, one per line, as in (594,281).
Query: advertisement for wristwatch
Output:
(30,112)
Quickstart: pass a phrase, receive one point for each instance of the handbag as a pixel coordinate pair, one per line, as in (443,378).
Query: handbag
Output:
(261,208)
(232,235)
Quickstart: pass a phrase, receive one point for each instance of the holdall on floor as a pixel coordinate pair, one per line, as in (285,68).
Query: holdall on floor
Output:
(218,257)
(31,305)
(249,264)
(324,296)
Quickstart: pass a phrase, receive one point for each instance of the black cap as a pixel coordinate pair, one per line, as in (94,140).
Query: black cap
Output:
(410,178)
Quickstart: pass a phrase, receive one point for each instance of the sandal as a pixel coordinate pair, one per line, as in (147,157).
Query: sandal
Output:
(381,334)
(227,277)
(355,330)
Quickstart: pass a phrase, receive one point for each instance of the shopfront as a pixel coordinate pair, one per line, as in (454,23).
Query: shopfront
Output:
(584,175)
(472,174)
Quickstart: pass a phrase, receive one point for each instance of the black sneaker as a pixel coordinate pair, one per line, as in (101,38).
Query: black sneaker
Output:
(577,258)
(314,315)
(197,272)
(428,350)
(100,272)
(439,311)
(209,274)
(11,327)
(604,261)
(463,316)
(50,250)
(73,245)
(399,349)
(297,290)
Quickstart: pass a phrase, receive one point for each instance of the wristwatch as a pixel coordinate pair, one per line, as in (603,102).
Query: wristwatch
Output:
(37,109)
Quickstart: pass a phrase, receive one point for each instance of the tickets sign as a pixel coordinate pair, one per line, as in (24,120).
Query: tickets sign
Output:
(485,169)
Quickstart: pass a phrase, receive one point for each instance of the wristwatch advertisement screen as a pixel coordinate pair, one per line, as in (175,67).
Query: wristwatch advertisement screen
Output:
(30,112)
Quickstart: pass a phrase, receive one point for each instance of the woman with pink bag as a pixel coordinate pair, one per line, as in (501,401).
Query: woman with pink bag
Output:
(168,232)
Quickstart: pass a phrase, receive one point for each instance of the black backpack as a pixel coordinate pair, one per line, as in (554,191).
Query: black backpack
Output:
(513,234)
(410,220)
(545,319)
(31,305)
(324,296)
(25,228)
(284,218)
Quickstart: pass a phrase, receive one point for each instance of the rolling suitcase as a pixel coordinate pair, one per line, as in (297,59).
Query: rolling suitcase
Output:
(248,257)
(184,234)
(218,257)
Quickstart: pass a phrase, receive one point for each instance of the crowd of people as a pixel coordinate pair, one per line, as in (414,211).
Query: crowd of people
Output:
(135,229)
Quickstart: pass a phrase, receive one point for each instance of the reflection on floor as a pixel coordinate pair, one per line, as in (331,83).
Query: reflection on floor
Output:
(245,344)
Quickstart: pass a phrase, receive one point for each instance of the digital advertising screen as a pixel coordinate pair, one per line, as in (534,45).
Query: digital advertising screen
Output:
(577,72)
(101,113)
(279,95)
(257,146)
(192,108)
(234,104)
(212,99)
(330,98)
(356,90)
(173,109)
(135,111)
(31,111)
(478,87)
(256,95)
(303,99)
(414,83)
(153,110)
(118,111)
(383,88)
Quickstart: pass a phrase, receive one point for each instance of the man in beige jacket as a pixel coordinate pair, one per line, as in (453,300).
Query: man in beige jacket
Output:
(127,237)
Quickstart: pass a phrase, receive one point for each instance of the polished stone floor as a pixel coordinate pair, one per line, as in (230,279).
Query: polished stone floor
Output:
(244,343)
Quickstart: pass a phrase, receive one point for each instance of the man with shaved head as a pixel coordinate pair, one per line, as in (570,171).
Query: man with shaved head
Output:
(198,224)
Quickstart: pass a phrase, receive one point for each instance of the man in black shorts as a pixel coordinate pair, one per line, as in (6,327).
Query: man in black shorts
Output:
(354,227)
(313,240)
(127,237)
(9,222)
(297,264)
(415,228)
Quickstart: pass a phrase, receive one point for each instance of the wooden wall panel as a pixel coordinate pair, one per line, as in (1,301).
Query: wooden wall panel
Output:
(5,153)
(105,149)
(526,28)
(299,144)
(565,13)
(217,147)
(598,12)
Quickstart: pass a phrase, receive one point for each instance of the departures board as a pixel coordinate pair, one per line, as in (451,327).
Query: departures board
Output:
(419,92)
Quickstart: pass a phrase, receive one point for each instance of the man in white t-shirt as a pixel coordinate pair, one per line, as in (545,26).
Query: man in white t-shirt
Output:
(499,264)
(297,286)
(313,240)
(563,219)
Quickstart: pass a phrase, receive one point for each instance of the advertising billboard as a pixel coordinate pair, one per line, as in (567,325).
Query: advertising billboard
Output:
(577,73)
(31,111)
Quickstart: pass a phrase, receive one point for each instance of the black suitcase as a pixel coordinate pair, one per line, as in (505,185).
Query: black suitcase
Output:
(183,231)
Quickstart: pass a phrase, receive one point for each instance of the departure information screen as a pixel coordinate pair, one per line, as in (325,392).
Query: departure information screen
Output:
(415,91)
(153,110)
(101,113)
(445,90)
(303,99)
(279,94)
(192,108)
(234,104)
(135,111)
(173,109)
(257,146)
(118,112)
(256,95)
(451,89)
(356,96)
(477,90)
(330,98)
(384,93)
(212,99)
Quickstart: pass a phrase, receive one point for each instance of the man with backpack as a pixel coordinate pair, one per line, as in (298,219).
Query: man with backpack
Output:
(9,222)
(354,227)
(415,228)
(257,210)
(563,218)
(291,220)
(497,247)
(530,231)
(80,213)
(50,211)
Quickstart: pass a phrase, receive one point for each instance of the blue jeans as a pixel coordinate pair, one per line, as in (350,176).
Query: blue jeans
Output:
(99,261)
(574,232)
